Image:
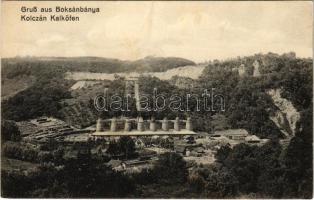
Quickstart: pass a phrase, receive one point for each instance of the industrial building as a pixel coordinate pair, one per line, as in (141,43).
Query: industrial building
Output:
(151,127)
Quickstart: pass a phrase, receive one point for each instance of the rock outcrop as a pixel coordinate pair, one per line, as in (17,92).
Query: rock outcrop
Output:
(256,72)
(241,70)
(286,116)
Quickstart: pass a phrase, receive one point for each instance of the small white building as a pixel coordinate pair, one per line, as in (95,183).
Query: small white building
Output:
(252,139)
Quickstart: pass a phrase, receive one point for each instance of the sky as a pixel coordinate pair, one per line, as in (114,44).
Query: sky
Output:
(199,31)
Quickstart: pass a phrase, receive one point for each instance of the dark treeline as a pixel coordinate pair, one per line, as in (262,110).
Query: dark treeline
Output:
(244,171)
(86,175)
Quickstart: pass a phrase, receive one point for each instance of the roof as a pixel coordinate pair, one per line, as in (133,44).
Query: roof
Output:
(76,138)
(114,163)
(199,149)
(252,138)
(202,134)
(232,132)
(222,138)
(135,162)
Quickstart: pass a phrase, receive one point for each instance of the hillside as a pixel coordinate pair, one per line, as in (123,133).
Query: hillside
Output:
(23,71)
(10,87)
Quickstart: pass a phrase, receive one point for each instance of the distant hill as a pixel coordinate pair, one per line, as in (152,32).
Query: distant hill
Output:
(92,64)
(158,64)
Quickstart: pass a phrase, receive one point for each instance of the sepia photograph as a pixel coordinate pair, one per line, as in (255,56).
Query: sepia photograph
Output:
(157,99)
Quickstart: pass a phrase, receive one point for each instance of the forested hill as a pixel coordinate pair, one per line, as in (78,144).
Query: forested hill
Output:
(26,65)
(244,82)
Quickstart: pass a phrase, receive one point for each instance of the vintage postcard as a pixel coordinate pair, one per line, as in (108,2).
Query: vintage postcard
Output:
(157,99)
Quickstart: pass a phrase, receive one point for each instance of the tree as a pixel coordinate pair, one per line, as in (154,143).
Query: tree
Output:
(196,182)
(171,168)
(221,183)
(223,153)
(113,148)
(298,159)
(9,131)
(219,122)
(243,164)
(126,146)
